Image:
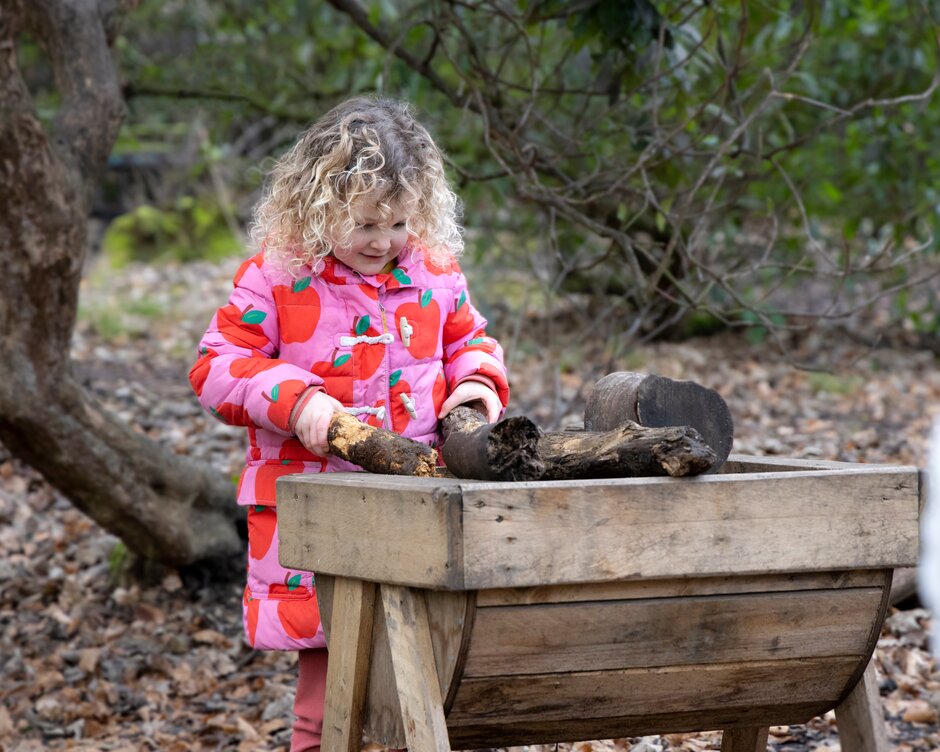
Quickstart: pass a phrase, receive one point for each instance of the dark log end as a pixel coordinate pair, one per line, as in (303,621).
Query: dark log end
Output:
(504,451)
(659,402)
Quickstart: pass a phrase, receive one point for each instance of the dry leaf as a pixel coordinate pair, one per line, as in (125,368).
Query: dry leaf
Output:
(919,711)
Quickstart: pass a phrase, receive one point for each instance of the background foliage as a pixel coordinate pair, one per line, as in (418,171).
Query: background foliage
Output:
(634,168)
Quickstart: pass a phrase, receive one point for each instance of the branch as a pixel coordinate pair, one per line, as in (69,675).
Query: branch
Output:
(75,38)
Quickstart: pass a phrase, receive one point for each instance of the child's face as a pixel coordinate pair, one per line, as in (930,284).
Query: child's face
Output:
(375,241)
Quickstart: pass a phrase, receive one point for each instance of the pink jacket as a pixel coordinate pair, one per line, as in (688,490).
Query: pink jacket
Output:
(389,347)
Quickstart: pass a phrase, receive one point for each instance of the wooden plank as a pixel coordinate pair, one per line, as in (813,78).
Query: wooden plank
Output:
(860,717)
(450,620)
(743,463)
(627,589)
(648,691)
(409,637)
(353,604)
(601,635)
(381,718)
(324,585)
(750,739)
(378,528)
(501,733)
(526,534)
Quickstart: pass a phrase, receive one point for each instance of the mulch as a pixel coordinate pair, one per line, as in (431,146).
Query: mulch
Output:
(97,656)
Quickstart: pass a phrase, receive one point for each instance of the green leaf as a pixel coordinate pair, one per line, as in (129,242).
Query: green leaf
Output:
(275,392)
(254,316)
(393,379)
(401,276)
(462,300)
(340,360)
(426,297)
(203,350)
(477,341)
(302,284)
(362,325)
(260,507)
(294,582)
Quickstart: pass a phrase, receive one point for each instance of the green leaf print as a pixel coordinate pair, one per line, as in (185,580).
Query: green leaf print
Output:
(462,300)
(362,325)
(340,360)
(477,341)
(254,317)
(294,582)
(393,379)
(402,278)
(302,284)
(426,298)
(275,392)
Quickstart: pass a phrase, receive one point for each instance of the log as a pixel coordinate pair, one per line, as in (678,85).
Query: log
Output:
(630,450)
(655,401)
(507,450)
(378,450)
(515,449)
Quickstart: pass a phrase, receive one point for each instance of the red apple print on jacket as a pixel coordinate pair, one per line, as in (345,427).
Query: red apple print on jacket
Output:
(257,260)
(300,618)
(266,479)
(337,375)
(424,318)
(200,370)
(447,267)
(262,525)
(367,357)
(282,399)
(298,308)
(398,407)
(439,393)
(232,414)
(374,420)
(252,607)
(245,368)
(242,327)
(459,322)
(480,343)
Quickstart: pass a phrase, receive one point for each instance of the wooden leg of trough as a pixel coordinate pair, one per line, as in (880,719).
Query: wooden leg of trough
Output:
(750,739)
(378,450)
(348,668)
(419,691)
(656,401)
(860,718)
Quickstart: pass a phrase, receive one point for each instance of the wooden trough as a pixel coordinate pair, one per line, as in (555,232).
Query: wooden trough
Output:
(463,614)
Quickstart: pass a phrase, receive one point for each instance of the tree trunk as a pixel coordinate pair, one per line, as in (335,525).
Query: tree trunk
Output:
(162,506)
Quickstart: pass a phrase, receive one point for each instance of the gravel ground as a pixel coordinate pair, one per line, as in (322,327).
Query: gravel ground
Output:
(94,660)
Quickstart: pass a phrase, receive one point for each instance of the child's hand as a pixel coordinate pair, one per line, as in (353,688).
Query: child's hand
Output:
(475,390)
(313,421)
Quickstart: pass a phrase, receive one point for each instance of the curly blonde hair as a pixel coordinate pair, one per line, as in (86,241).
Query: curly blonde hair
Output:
(362,147)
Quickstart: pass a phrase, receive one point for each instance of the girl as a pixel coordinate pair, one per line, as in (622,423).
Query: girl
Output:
(355,303)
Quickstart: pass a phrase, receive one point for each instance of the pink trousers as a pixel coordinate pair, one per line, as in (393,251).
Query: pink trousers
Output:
(308,702)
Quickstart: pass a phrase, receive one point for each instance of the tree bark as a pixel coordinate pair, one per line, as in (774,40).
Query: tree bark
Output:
(515,449)
(377,450)
(654,401)
(162,506)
